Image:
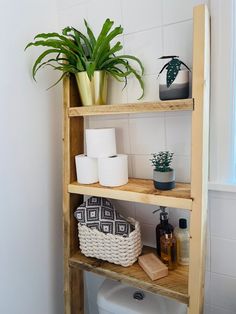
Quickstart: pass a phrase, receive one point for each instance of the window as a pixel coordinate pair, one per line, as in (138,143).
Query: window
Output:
(234,86)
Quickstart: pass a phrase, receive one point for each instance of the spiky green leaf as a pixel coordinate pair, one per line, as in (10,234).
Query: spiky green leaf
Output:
(109,54)
(90,34)
(40,58)
(103,34)
(105,44)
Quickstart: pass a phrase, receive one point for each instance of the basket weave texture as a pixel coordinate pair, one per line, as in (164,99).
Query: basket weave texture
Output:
(112,248)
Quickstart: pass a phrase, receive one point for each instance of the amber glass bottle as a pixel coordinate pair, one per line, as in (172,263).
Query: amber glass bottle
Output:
(169,250)
(162,227)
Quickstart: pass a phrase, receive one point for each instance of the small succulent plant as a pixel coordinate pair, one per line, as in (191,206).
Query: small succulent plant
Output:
(173,68)
(161,161)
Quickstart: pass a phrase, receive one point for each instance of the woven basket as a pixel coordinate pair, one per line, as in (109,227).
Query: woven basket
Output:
(112,248)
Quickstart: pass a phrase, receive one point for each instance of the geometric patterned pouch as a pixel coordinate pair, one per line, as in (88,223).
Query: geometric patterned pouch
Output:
(98,213)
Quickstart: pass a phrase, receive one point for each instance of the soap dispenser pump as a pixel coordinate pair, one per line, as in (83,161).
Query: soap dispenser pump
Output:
(162,227)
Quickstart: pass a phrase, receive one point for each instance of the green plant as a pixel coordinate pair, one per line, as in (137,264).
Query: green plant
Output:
(172,67)
(73,52)
(161,161)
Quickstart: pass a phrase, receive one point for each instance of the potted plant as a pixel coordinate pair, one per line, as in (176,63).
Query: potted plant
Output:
(163,174)
(89,58)
(174,81)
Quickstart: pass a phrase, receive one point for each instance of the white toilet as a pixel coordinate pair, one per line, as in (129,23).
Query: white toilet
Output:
(116,298)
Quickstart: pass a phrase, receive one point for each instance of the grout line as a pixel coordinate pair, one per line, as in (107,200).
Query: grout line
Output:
(223,197)
(165,132)
(130,149)
(122,14)
(163,53)
(162,12)
(222,187)
(142,30)
(208,241)
(148,154)
(123,35)
(156,27)
(63,9)
(222,275)
(217,307)
(222,238)
(178,22)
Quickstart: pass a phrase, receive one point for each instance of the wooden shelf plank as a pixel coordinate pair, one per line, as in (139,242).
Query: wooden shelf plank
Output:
(175,285)
(139,190)
(159,106)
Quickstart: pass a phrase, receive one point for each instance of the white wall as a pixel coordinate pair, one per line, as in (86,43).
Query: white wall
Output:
(30,168)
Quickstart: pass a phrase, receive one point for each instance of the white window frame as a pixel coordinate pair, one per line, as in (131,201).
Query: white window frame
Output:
(234,86)
(222,118)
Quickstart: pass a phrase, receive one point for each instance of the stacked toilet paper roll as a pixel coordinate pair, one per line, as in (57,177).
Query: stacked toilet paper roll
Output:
(113,171)
(100,142)
(102,163)
(86,169)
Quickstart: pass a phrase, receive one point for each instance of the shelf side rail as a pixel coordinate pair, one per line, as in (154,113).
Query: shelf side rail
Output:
(199,162)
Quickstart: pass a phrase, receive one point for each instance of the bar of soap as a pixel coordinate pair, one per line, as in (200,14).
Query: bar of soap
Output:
(153,266)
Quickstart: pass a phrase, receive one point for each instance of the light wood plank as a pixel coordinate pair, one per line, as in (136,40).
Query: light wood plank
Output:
(160,106)
(77,290)
(199,175)
(139,190)
(73,145)
(66,198)
(175,285)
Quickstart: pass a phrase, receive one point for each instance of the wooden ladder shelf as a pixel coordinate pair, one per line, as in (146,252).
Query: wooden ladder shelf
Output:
(185,284)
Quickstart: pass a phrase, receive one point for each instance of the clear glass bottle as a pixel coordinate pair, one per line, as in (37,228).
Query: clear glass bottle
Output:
(169,250)
(182,236)
(162,227)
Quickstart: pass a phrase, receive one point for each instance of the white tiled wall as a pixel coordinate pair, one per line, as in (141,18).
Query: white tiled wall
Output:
(141,15)
(140,135)
(153,28)
(222,253)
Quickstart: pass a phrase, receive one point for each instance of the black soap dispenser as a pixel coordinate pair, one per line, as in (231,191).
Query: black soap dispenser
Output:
(162,227)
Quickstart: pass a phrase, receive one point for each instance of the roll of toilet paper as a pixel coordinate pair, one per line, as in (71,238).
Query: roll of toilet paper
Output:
(100,142)
(86,169)
(113,171)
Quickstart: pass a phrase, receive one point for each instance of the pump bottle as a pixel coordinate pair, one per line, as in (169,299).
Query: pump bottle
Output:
(162,227)
(182,235)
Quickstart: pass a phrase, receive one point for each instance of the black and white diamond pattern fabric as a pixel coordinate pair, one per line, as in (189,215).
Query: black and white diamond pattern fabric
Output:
(99,213)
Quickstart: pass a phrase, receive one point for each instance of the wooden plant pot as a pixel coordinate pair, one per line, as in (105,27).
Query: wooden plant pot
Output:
(94,92)
(164,180)
(179,89)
